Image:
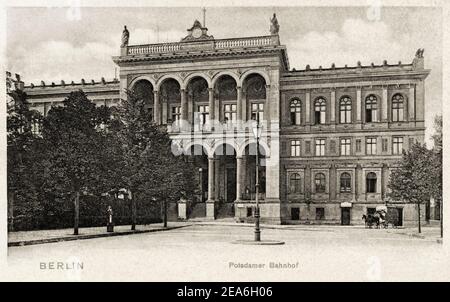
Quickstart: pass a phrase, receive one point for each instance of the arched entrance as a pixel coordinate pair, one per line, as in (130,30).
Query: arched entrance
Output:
(227,110)
(199,158)
(143,91)
(198,102)
(254,89)
(170,98)
(225,180)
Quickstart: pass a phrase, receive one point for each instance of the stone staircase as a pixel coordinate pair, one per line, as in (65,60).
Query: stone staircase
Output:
(225,210)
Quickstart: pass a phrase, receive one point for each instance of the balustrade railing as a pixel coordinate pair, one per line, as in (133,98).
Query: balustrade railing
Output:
(243,42)
(153,48)
(217,44)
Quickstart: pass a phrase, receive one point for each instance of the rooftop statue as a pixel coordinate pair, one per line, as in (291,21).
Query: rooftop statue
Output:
(274,26)
(419,53)
(125,37)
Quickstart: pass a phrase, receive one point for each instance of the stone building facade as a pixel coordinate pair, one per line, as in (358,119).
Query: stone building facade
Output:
(330,136)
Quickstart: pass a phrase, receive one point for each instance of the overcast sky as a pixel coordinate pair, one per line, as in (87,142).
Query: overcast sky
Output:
(51,44)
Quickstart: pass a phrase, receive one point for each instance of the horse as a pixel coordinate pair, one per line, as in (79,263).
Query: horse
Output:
(370,220)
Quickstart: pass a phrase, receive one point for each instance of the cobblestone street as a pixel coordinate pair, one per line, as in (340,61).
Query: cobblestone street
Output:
(205,252)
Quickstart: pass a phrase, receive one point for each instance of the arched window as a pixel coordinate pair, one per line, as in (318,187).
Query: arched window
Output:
(143,90)
(294,183)
(296,112)
(345,108)
(371,182)
(320,183)
(320,108)
(346,183)
(398,106)
(371,109)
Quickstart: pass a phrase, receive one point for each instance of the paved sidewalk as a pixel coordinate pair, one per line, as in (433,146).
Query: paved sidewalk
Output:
(427,232)
(47,236)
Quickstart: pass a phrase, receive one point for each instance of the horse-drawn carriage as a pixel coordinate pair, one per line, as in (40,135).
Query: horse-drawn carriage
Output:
(380,219)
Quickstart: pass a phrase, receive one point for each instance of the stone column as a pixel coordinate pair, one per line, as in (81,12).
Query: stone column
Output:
(333,106)
(384,105)
(156,108)
(307,107)
(211,104)
(164,104)
(184,107)
(210,203)
(358,104)
(239,103)
(239,178)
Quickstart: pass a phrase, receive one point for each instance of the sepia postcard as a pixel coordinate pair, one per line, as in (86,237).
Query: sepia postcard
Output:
(197,141)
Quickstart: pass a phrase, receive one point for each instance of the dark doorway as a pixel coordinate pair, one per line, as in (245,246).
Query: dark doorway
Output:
(345,216)
(295,213)
(400,216)
(231,184)
(395,216)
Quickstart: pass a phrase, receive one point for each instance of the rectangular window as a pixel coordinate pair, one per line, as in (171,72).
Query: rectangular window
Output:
(397,145)
(384,144)
(229,112)
(257,111)
(345,146)
(358,145)
(371,146)
(176,113)
(295,213)
(320,147)
(249,211)
(203,114)
(295,148)
(320,213)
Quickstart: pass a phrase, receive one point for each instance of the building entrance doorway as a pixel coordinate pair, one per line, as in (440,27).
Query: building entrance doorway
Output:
(345,216)
(231,184)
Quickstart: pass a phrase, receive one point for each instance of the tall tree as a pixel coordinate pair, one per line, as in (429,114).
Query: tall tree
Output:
(411,180)
(74,140)
(149,170)
(23,158)
(436,164)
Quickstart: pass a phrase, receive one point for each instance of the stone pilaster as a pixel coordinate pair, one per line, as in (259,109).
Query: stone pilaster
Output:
(211,104)
(184,107)
(333,106)
(308,107)
(384,104)
(411,103)
(156,108)
(239,179)
(358,104)
(239,104)
(210,203)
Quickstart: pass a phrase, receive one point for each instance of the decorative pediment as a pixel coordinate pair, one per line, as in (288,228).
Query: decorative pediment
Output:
(197,33)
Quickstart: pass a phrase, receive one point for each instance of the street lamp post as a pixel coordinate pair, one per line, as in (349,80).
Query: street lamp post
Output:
(257,134)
